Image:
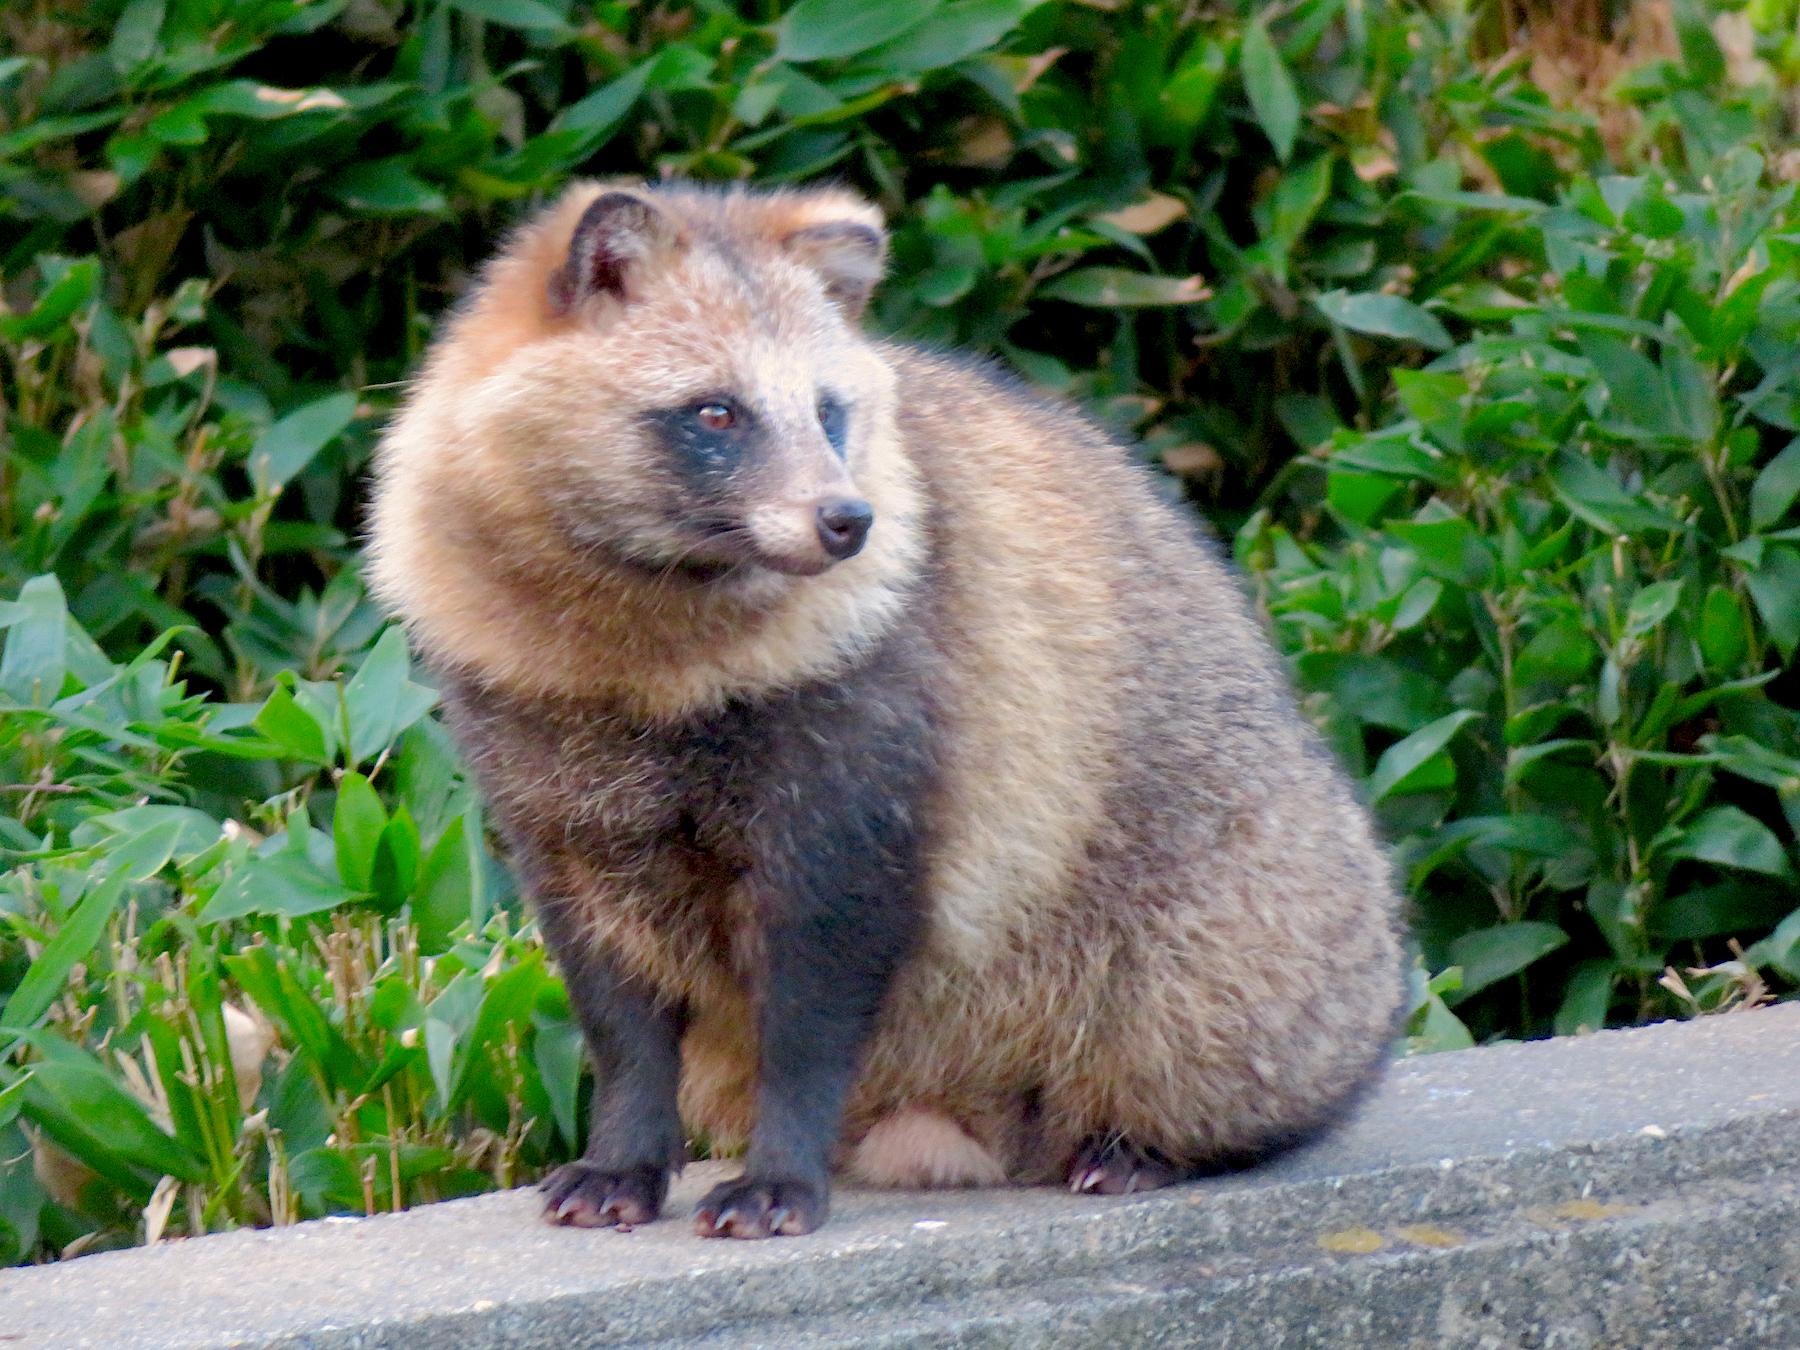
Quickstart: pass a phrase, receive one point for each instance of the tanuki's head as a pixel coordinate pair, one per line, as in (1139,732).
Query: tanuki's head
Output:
(654,422)
(670,383)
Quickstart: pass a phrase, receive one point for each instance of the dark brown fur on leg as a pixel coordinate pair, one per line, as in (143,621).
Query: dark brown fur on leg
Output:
(634,1133)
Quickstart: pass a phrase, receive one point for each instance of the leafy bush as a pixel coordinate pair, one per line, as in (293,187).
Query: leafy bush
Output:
(1554,616)
(1500,410)
(216,881)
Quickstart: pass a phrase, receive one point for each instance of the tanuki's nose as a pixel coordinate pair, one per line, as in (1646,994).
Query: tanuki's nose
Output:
(843,526)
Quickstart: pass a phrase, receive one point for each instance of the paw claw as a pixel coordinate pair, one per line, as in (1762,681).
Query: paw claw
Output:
(747,1208)
(1108,1165)
(582,1195)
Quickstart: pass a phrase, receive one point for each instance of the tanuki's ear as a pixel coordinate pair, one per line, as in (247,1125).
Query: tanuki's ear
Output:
(618,231)
(848,255)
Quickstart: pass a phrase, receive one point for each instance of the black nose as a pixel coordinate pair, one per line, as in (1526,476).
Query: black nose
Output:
(843,525)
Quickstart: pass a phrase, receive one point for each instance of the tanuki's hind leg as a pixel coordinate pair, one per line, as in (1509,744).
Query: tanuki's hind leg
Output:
(1108,1164)
(1255,994)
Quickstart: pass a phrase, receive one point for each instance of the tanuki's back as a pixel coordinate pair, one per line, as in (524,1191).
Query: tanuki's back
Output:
(897,776)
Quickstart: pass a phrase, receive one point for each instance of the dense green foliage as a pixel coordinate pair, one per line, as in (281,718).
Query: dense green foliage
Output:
(1502,417)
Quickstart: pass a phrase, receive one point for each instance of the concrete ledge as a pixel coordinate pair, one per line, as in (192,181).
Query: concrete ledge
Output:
(1633,1188)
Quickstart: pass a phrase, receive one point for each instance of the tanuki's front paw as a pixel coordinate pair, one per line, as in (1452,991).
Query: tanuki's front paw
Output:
(751,1208)
(588,1196)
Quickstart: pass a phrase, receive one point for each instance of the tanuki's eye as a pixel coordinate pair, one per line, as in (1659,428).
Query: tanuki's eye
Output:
(716,416)
(832,422)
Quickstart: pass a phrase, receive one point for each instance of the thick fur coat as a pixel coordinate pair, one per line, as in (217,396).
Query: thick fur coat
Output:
(994,849)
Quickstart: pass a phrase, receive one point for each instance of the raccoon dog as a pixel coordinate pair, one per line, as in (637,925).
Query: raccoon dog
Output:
(902,786)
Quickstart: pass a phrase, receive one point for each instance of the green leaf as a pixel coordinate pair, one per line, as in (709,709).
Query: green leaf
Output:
(11,67)
(11,1098)
(1728,836)
(292,443)
(1391,316)
(356,826)
(1479,201)
(441,1039)
(285,884)
(1292,206)
(1359,497)
(1650,606)
(1635,390)
(1759,763)
(1531,833)
(1273,97)
(72,1097)
(134,34)
(1587,997)
(506,1003)
(184,124)
(396,863)
(1447,546)
(1122,288)
(1775,488)
(1598,498)
(1489,955)
(945,284)
(1403,766)
(1559,653)
(1700,55)
(599,113)
(526,14)
(1732,906)
(1775,587)
(124,832)
(1436,1029)
(827,30)
(269,103)
(1724,636)
(445,889)
(1193,87)
(292,728)
(1414,605)
(560,1058)
(959,29)
(46,976)
(71,285)
(33,664)
(387,187)
(380,701)
(1780,949)
(1392,455)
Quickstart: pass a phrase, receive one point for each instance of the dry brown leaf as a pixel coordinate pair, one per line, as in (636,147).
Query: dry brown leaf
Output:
(301,100)
(1373,162)
(1155,212)
(60,1174)
(94,188)
(1192,461)
(184,361)
(157,1211)
(250,1038)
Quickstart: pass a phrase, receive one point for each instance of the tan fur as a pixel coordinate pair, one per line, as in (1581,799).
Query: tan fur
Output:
(921,1149)
(1154,908)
